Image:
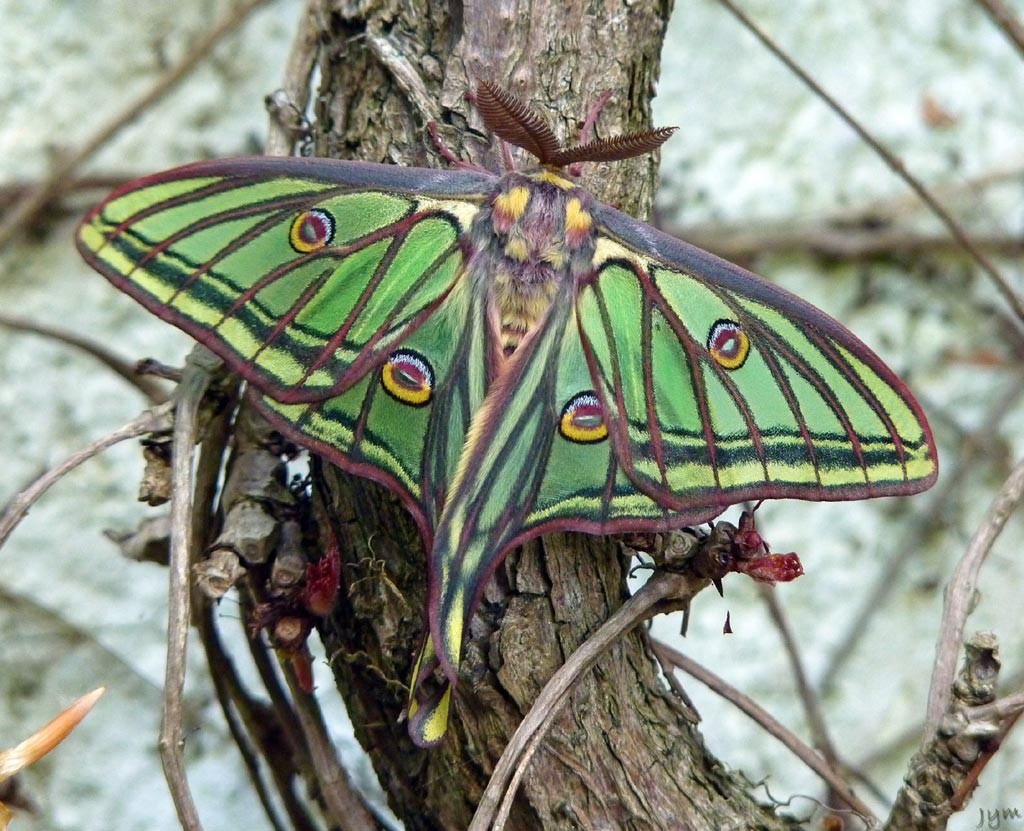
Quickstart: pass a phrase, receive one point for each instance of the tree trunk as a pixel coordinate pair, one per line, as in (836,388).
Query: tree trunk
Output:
(624,752)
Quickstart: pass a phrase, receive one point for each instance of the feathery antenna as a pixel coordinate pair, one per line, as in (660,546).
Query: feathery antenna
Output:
(615,148)
(514,122)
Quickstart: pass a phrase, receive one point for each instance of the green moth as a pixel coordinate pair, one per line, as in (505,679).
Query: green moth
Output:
(507,354)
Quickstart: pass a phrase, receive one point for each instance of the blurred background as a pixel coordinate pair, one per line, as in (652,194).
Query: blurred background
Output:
(761,172)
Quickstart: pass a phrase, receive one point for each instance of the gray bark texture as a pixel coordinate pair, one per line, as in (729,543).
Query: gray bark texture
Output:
(623,753)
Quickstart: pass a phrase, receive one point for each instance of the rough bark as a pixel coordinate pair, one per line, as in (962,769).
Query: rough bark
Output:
(623,754)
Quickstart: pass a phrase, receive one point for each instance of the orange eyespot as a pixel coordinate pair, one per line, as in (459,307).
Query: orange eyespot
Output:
(408,377)
(582,419)
(311,231)
(728,344)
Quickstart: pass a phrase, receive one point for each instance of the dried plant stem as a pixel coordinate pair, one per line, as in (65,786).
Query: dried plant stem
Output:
(150,421)
(959,595)
(29,206)
(297,73)
(806,754)
(824,240)
(188,396)
(148,386)
(13,192)
(253,733)
(250,730)
(812,708)
(1006,20)
(947,492)
(348,810)
(895,164)
(665,591)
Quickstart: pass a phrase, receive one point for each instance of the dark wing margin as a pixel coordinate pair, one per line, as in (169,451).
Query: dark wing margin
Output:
(721,387)
(302,274)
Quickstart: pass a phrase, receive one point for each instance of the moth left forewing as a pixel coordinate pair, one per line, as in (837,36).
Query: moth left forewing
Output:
(405,422)
(721,387)
(301,274)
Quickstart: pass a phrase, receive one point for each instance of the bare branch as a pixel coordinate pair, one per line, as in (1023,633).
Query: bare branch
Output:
(1005,19)
(252,728)
(824,239)
(346,805)
(150,421)
(812,708)
(1007,707)
(959,596)
(751,708)
(154,391)
(664,587)
(12,192)
(297,72)
(895,164)
(942,774)
(26,210)
(189,395)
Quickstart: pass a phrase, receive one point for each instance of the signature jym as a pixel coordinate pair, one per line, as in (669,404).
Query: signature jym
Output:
(995,819)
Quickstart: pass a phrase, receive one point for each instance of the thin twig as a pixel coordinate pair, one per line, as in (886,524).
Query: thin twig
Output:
(26,210)
(742,241)
(761,716)
(150,421)
(1006,707)
(13,192)
(949,490)
(960,595)
(346,805)
(189,395)
(812,709)
(663,588)
(1005,19)
(221,668)
(149,387)
(297,73)
(250,728)
(944,771)
(895,164)
(1006,712)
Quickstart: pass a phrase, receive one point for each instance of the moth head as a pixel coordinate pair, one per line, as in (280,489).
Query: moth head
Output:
(512,121)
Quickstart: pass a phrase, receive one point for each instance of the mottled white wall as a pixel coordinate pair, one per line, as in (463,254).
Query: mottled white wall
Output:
(755,147)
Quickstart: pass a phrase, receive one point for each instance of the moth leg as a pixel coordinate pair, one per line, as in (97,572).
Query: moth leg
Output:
(506,156)
(446,152)
(587,131)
